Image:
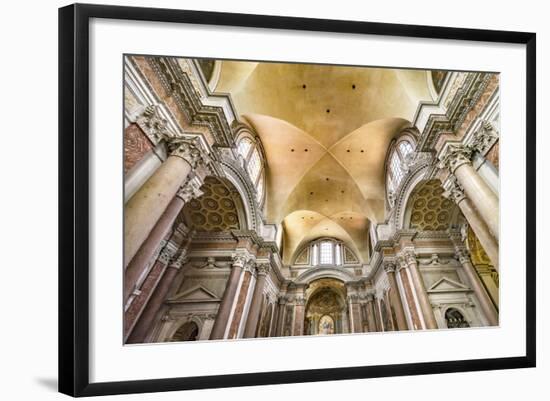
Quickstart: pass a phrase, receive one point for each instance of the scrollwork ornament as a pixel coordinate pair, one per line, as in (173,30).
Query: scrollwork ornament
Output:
(456,156)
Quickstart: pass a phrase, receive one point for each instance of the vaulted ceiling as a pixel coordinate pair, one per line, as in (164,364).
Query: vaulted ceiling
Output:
(325,131)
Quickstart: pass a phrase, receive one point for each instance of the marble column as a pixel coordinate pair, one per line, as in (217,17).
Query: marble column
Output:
(355,314)
(147,318)
(409,296)
(456,193)
(139,262)
(299,316)
(256,304)
(420,290)
(397,303)
(281,316)
(228,297)
(485,302)
(457,160)
(371,314)
(147,205)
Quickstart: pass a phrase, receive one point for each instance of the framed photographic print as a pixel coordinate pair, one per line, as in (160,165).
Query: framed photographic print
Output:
(249,199)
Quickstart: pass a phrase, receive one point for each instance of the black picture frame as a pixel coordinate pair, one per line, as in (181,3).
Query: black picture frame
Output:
(74,198)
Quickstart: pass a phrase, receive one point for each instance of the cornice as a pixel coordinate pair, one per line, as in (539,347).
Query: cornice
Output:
(176,82)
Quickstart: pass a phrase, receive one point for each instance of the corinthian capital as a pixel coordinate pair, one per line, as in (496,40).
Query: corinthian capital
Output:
(455,156)
(151,122)
(241,258)
(454,191)
(187,148)
(484,138)
(389,266)
(189,190)
(263,269)
(409,256)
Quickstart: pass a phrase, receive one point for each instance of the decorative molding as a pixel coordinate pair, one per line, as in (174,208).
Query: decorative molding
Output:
(179,84)
(454,156)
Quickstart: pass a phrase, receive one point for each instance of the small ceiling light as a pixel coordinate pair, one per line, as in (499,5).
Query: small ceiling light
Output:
(303,86)
(328,110)
(292,150)
(353,86)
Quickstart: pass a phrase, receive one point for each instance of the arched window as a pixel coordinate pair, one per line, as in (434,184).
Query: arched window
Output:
(253,164)
(455,319)
(326,252)
(394,170)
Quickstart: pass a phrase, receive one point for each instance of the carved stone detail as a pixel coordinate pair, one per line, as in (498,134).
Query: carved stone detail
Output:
(463,255)
(389,266)
(300,301)
(454,191)
(189,190)
(263,269)
(484,138)
(455,156)
(154,126)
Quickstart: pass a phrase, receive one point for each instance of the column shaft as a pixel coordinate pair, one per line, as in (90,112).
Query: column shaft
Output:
(146,320)
(144,209)
(299,319)
(479,290)
(421,294)
(137,265)
(397,302)
(255,308)
(481,230)
(371,317)
(224,310)
(482,196)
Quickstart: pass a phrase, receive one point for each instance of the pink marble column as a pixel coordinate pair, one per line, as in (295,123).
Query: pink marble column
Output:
(146,206)
(420,290)
(222,317)
(485,302)
(299,316)
(355,314)
(147,318)
(397,303)
(371,314)
(256,305)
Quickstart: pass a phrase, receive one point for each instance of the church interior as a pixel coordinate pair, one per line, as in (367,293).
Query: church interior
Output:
(267,199)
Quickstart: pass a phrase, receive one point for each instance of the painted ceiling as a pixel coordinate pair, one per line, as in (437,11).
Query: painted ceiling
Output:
(325,131)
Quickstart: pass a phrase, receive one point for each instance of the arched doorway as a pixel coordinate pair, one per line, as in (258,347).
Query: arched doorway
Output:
(186,332)
(326,311)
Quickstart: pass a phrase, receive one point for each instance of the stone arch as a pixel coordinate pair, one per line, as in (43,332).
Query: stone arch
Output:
(415,177)
(219,208)
(316,273)
(427,209)
(186,330)
(326,297)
